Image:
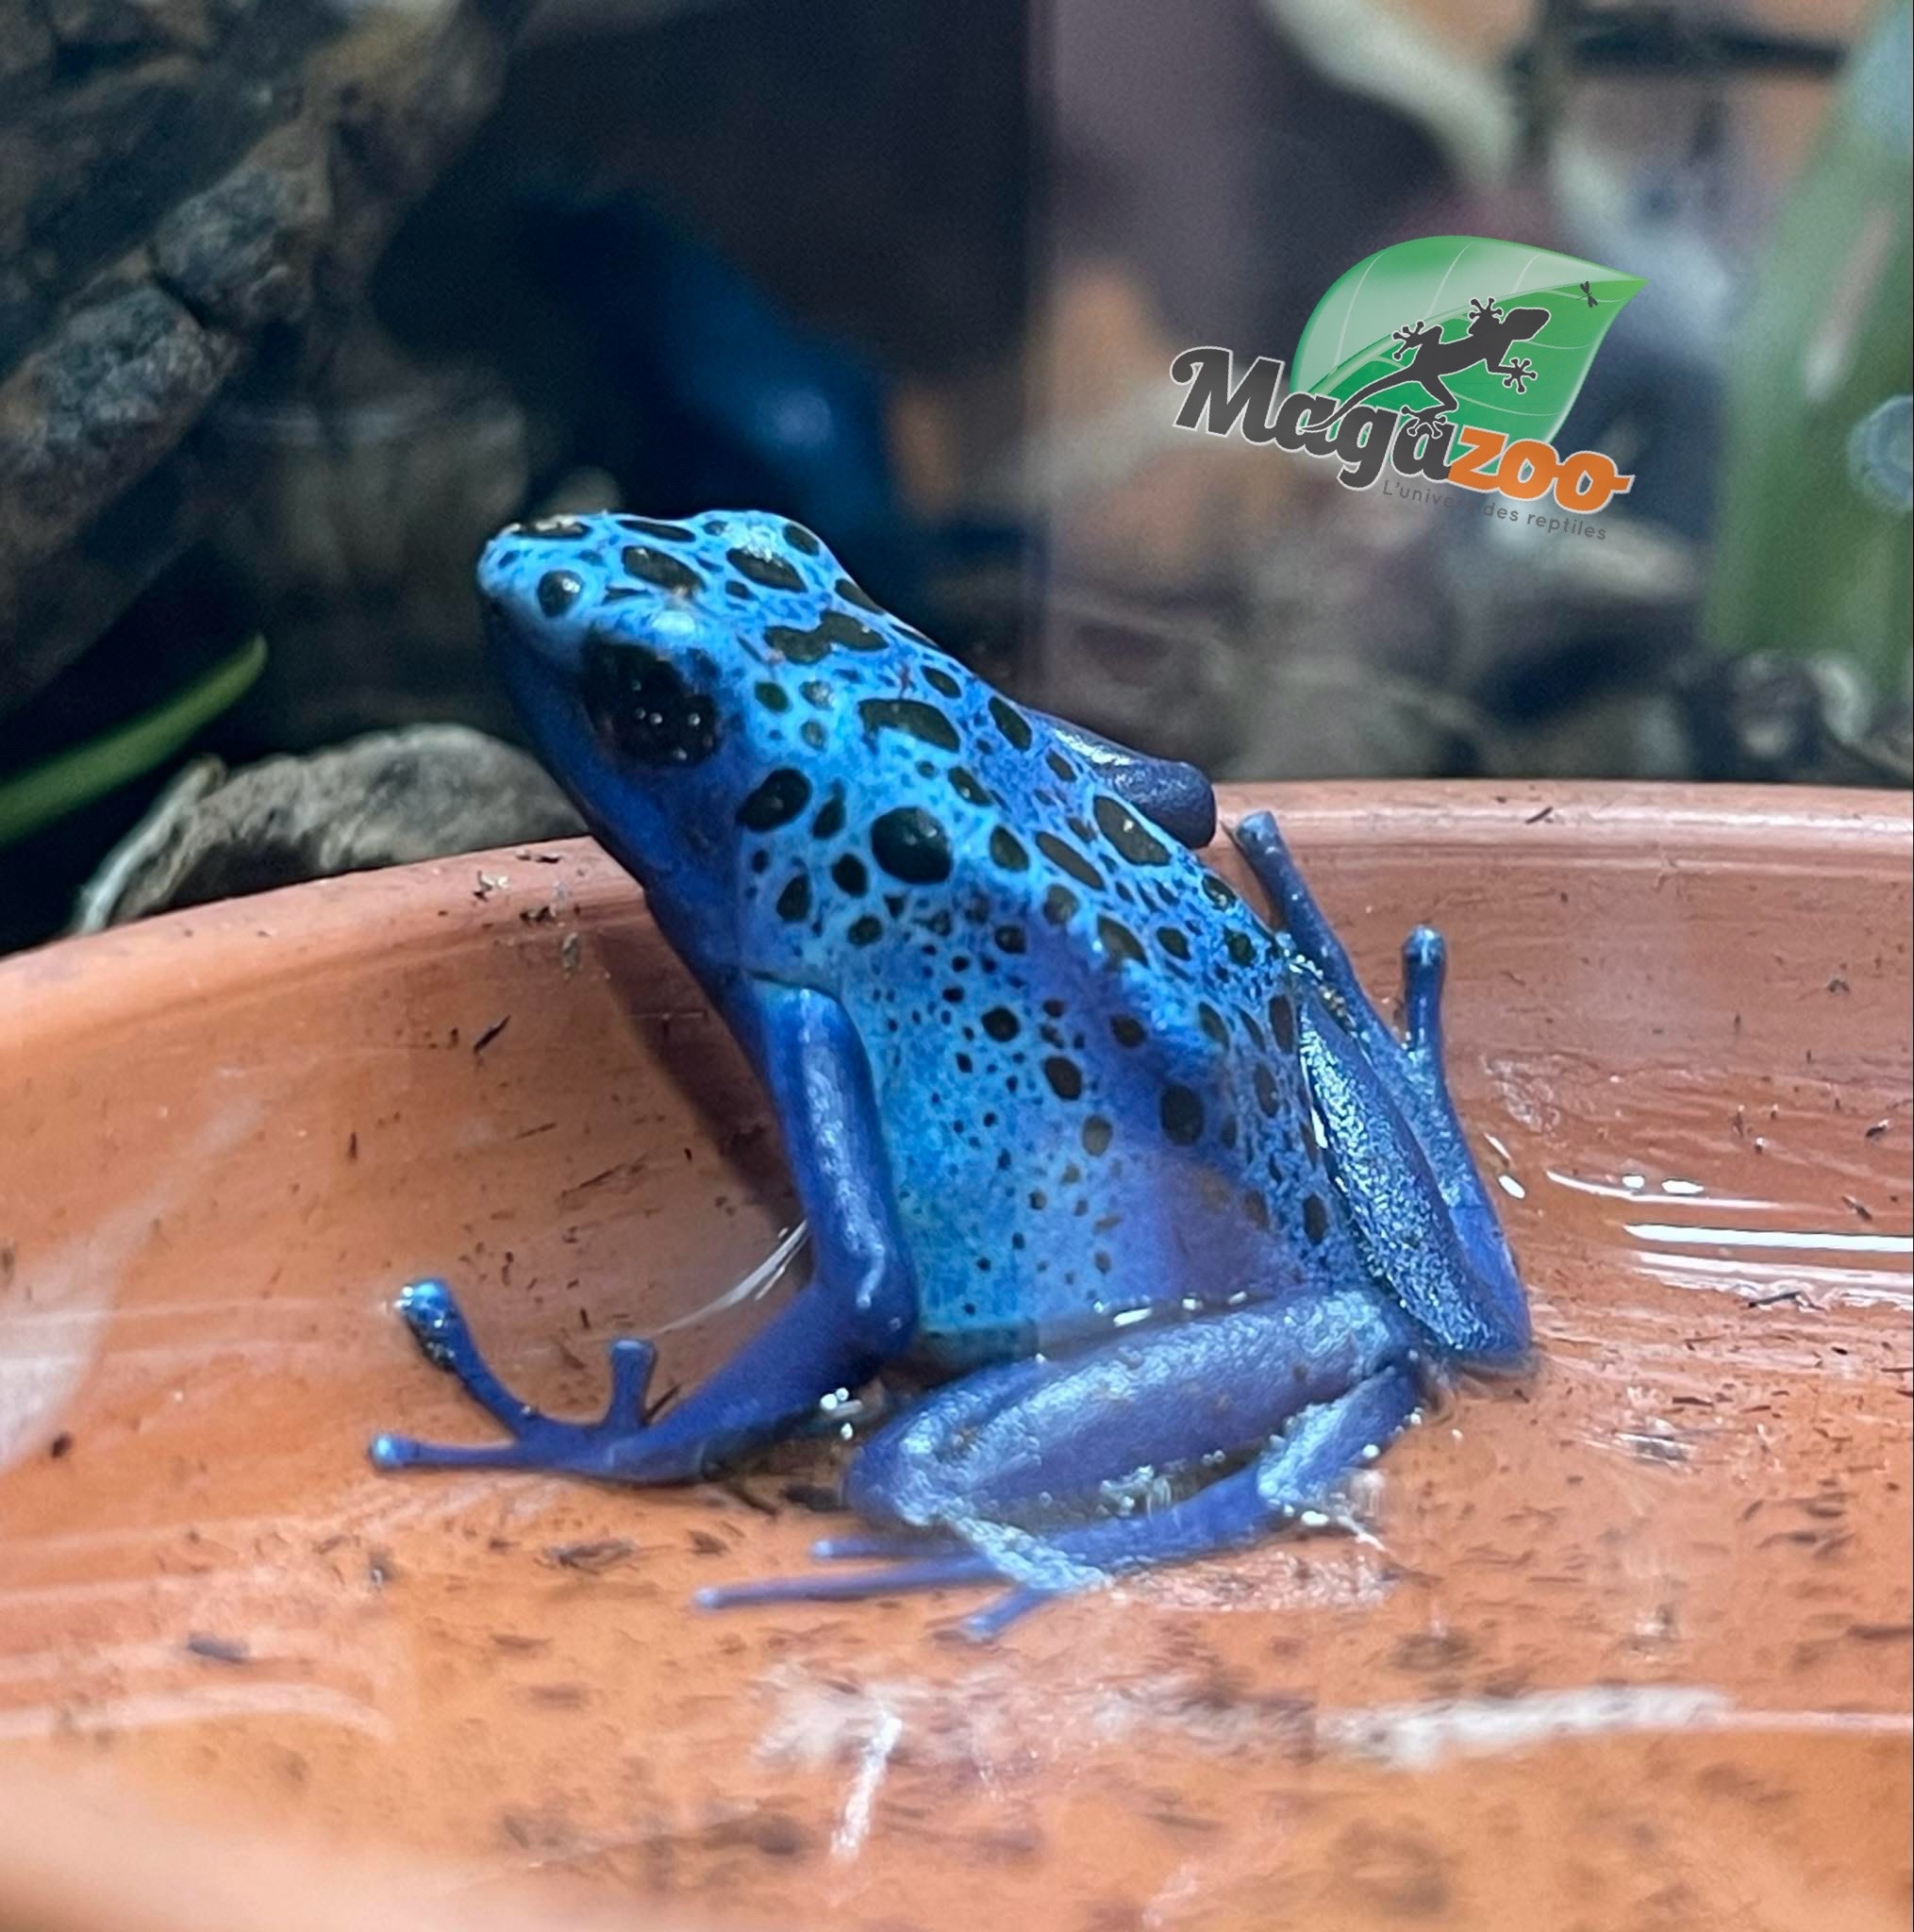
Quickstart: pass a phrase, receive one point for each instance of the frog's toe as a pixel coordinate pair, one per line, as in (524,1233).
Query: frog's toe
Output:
(943,1571)
(535,1440)
(987,1625)
(1266,854)
(538,1443)
(898,1546)
(946,1572)
(394,1452)
(389,1452)
(1426,962)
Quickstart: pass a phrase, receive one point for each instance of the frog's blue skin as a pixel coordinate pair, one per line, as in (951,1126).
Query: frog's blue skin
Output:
(1150,1181)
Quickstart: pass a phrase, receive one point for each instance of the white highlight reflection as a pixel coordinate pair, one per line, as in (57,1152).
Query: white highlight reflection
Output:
(854,1822)
(1794,1240)
(1610,1190)
(760,1281)
(1418,1737)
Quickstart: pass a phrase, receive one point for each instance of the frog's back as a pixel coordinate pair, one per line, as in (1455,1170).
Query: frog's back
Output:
(1084,1043)
(1097,1115)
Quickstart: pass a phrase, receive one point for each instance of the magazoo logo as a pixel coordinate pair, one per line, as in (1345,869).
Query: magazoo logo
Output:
(1472,391)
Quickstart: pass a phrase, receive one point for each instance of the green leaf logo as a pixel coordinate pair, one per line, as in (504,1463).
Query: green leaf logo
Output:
(1493,334)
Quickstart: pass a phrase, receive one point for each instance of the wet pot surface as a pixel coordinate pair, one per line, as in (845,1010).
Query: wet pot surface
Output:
(1625,1646)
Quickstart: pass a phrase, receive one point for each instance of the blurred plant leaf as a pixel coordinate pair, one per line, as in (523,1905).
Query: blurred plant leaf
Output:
(1349,340)
(34,798)
(1812,556)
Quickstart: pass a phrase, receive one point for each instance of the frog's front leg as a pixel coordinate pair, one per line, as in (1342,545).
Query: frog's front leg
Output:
(857,1312)
(1302,1390)
(1396,1145)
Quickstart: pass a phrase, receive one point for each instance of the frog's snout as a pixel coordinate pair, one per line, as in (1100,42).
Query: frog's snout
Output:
(538,583)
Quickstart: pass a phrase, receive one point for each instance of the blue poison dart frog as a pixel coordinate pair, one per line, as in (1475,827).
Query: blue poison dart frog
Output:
(1181,1228)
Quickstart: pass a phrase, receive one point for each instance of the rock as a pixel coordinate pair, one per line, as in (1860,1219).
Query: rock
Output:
(391,798)
(192,195)
(102,26)
(241,255)
(111,393)
(25,40)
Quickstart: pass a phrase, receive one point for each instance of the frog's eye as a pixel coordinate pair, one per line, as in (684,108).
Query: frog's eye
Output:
(558,590)
(643,706)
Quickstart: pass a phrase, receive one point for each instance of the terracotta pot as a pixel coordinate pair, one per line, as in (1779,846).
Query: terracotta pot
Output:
(1627,1646)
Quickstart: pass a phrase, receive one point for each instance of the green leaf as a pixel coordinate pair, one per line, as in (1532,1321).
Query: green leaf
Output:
(1350,341)
(44,792)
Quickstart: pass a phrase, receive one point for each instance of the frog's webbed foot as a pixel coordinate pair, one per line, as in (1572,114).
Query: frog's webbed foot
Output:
(535,1440)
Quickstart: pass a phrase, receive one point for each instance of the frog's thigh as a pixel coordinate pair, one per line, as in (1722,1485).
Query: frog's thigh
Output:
(1443,1258)
(1155,1397)
(1396,1147)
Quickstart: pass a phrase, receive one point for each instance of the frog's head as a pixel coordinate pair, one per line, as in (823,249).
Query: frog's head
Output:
(637,654)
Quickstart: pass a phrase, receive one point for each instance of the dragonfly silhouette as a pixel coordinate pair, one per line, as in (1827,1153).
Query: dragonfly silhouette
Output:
(1589,293)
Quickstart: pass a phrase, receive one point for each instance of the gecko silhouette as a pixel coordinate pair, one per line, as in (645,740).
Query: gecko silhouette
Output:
(1486,341)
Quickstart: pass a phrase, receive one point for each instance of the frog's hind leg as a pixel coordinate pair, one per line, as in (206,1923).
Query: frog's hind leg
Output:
(1268,859)
(1307,1387)
(1412,1066)
(1396,1144)
(1295,1477)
